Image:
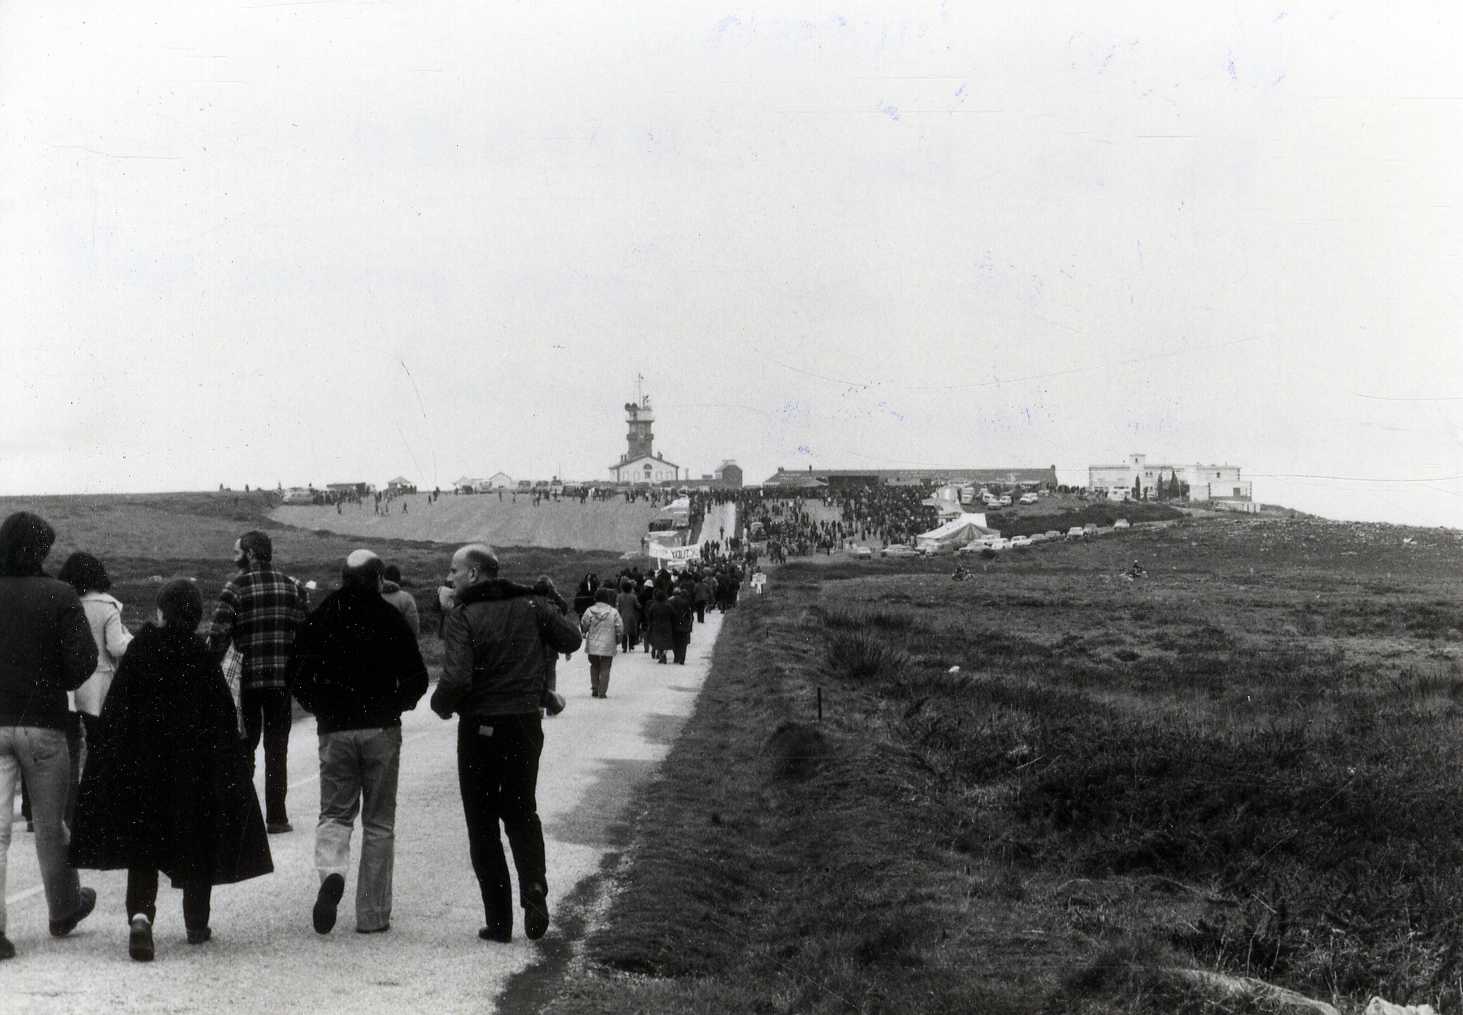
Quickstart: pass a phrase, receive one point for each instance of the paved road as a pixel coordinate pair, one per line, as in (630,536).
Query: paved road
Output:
(264,955)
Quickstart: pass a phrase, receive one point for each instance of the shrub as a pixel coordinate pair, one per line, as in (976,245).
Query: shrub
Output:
(862,656)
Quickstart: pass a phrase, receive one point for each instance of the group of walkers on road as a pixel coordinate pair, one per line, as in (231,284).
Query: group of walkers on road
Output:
(167,785)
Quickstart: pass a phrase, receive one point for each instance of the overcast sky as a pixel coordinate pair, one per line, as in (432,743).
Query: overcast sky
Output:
(316,241)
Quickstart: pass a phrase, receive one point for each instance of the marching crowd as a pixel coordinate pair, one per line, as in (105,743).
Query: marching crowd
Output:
(889,514)
(155,777)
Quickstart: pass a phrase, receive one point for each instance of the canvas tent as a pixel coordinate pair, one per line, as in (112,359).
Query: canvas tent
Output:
(956,532)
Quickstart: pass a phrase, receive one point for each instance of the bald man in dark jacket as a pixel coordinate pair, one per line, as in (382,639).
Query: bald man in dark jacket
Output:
(493,677)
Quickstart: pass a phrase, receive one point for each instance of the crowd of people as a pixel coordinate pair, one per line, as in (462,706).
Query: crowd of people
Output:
(156,777)
(788,524)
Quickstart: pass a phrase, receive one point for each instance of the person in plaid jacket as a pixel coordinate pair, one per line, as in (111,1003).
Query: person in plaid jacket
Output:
(258,613)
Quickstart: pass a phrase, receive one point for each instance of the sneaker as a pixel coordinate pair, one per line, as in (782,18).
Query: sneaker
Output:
(331,890)
(139,941)
(199,935)
(374,930)
(535,912)
(502,935)
(7,950)
(279,827)
(87,901)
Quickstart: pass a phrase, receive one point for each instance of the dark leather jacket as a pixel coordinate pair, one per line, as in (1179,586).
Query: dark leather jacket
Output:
(493,650)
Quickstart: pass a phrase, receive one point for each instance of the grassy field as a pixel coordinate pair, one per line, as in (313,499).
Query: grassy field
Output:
(1247,761)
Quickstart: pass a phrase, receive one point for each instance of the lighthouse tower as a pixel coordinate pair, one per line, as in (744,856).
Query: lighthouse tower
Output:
(640,417)
(640,463)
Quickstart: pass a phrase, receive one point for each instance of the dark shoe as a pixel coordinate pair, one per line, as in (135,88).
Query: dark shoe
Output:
(500,935)
(87,902)
(7,950)
(374,930)
(323,916)
(199,935)
(139,942)
(535,912)
(279,827)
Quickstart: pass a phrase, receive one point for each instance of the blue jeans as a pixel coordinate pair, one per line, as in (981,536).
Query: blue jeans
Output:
(358,772)
(42,755)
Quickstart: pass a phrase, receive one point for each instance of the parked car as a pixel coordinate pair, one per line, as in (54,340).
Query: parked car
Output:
(862,552)
(1121,523)
(900,550)
(1090,528)
(1029,498)
(1020,542)
(1075,532)
(1005,500)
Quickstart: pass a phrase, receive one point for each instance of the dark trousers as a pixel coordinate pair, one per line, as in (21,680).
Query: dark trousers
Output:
(142,898)
(683,638)
(497,771)
(700,613)
(267,713)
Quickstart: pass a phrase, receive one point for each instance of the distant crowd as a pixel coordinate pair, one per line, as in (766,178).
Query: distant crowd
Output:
(785,521)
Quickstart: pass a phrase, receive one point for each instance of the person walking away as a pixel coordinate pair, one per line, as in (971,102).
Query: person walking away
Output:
(701,596)
(661,621)
(88,577)
(356,667)
(393,593)
(168,790)
(629,606)
(258,612)
(602,628)
(584,594)
(46,649)
(680,604)
(492,679)
(644,596)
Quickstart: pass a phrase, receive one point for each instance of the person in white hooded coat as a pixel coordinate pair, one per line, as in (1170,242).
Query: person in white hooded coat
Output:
(88,577)
(603,627)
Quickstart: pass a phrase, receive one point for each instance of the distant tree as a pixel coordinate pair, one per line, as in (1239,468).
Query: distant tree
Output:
(1184,490)
(1137,487)
(1175,488)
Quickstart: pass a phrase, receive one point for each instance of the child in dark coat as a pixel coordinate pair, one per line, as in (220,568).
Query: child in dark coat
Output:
(168,787)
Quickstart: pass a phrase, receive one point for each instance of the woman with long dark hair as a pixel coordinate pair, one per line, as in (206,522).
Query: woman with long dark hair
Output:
(169,789)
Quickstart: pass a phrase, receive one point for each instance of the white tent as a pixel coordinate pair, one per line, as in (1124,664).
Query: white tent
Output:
(956,532)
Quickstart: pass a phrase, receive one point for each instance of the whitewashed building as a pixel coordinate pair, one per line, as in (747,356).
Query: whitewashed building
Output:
(1205,482)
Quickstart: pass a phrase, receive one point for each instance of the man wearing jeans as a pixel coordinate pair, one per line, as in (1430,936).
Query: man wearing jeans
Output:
(46,649)
(259,611)
(357,667)
(494,641)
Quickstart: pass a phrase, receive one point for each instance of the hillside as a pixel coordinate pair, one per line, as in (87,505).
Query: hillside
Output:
(1050,788)
(602,525)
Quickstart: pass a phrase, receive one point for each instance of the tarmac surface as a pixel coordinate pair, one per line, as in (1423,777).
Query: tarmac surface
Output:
(265,957)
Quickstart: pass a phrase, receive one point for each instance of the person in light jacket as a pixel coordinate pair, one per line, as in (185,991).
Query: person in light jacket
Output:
(603,627)
(88,577)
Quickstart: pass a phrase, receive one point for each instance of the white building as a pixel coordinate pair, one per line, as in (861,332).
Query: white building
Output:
(1205,482)
(646,469)
(640,463)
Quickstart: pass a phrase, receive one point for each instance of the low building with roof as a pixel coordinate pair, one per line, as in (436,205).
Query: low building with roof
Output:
(839,478)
